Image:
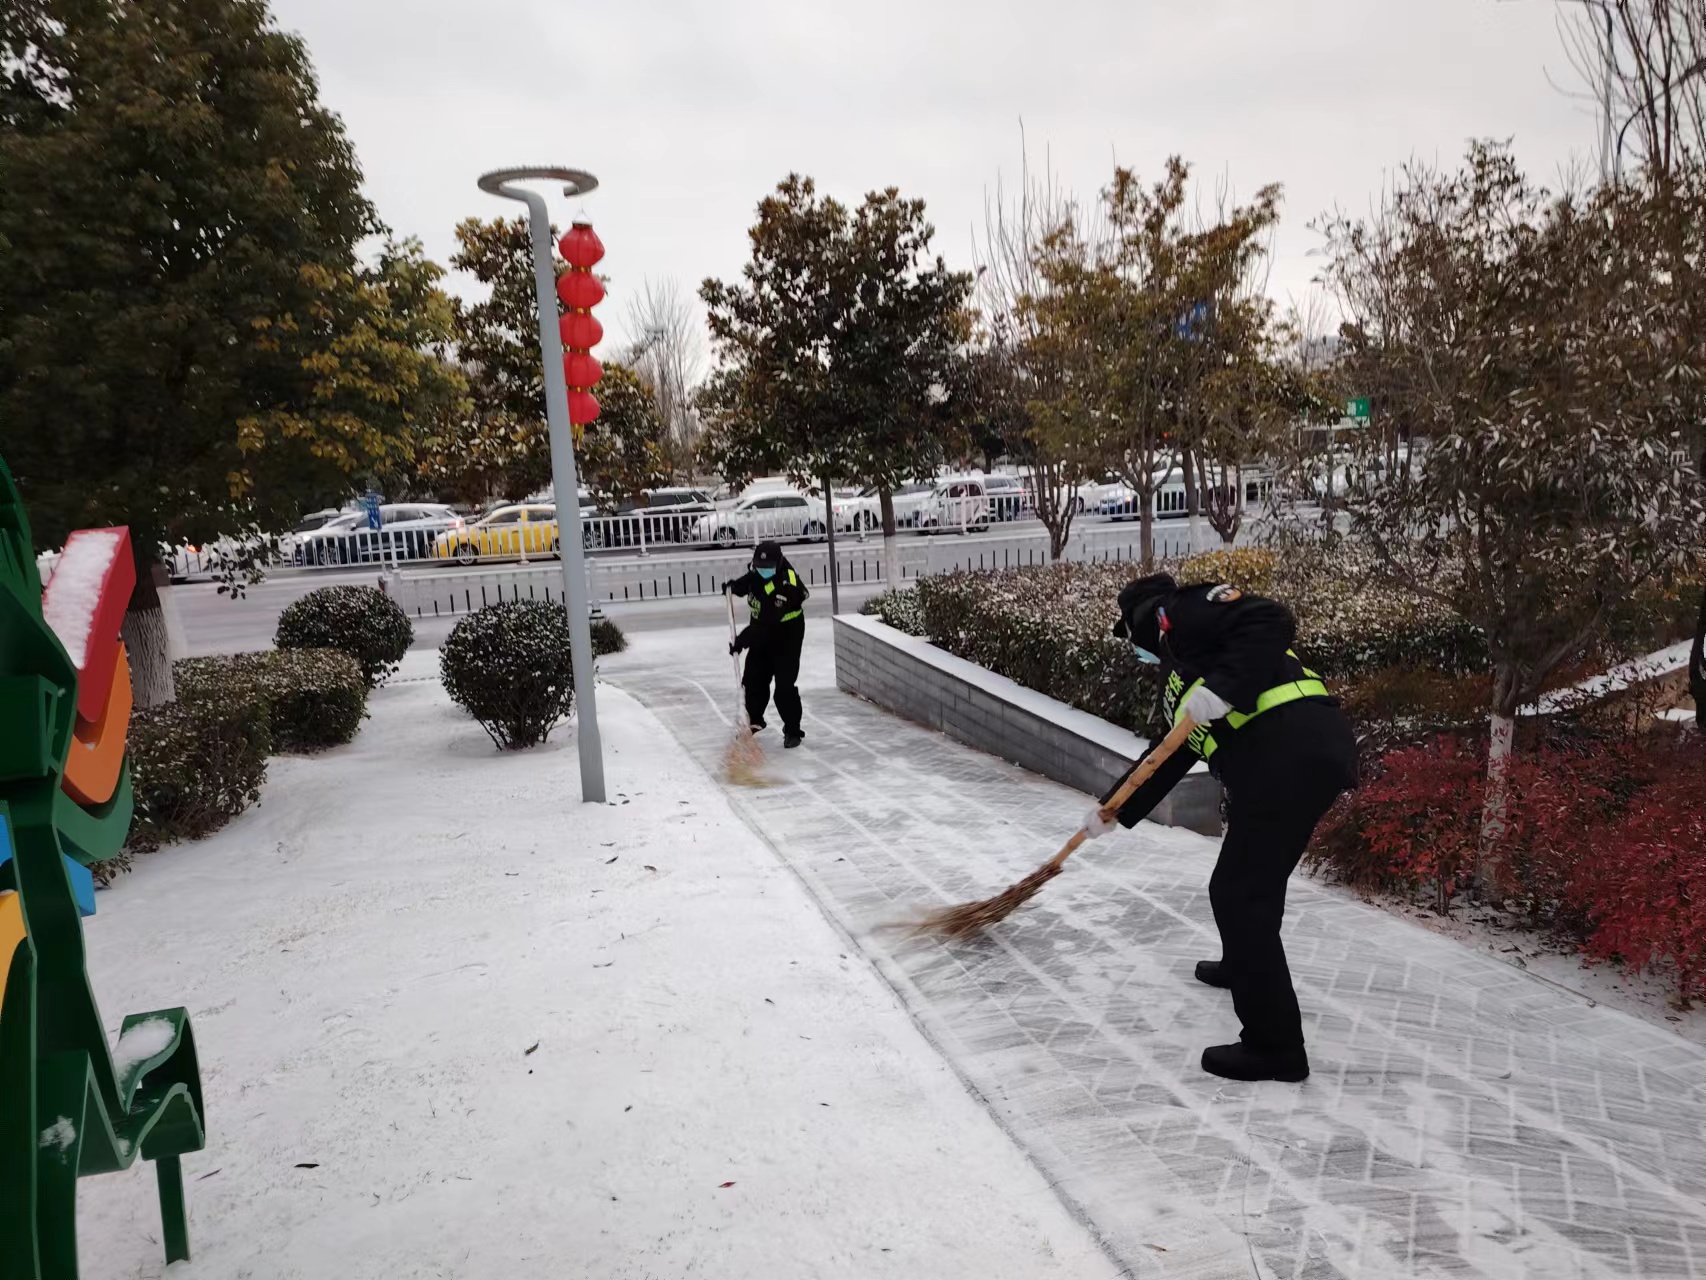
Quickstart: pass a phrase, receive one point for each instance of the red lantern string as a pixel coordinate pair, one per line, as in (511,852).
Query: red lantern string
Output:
(580,291)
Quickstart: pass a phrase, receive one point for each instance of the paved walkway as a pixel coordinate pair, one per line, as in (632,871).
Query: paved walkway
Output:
(1463,1119)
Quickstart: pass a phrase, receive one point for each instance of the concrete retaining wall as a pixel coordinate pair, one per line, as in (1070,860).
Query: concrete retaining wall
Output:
(913,678)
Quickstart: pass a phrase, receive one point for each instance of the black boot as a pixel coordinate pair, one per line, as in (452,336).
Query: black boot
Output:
(793,737)
(1241,1062)
(1212,973)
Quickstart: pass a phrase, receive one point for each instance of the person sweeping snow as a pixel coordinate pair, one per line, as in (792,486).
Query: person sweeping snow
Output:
(773,638)
(1282,749)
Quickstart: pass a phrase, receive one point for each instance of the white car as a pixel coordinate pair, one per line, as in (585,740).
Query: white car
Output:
(757,517)
(857,510)
(961,504)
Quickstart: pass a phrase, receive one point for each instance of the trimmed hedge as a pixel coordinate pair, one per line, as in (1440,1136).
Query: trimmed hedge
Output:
(315,698)
(195,764)
(364,622)
(1047,627)
(898,608)
(508,666)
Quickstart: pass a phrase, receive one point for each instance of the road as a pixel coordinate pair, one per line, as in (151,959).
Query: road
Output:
(218,624)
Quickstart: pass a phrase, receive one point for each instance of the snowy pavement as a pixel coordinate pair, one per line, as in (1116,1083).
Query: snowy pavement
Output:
(1464,1118)
(453,1023)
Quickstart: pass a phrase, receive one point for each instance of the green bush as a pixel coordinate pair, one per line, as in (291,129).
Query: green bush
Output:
(364,622)
(898,608)
(315,698)
(508,666)
(195,764)
(607,637)
(1047,627)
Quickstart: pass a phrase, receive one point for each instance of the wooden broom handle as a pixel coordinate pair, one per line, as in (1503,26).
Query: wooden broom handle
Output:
(1145,770)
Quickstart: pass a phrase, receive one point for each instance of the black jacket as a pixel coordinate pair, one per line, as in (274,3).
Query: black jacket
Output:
(772,602)
(1239,646)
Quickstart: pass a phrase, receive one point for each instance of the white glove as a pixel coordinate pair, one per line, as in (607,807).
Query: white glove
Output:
(1205,704)
(1096,826)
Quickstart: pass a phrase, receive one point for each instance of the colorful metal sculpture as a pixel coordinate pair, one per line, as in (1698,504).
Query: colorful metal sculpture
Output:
(70,1106)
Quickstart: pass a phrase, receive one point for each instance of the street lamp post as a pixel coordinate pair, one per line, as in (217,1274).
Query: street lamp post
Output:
(564,481)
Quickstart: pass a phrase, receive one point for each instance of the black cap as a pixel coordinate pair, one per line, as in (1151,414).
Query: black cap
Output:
(1138,600)
(766,555)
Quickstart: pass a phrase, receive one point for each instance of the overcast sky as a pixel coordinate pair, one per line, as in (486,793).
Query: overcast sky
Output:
(689,112)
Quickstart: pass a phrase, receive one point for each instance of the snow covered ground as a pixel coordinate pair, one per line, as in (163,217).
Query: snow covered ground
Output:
(454,1023)
(1465,1117)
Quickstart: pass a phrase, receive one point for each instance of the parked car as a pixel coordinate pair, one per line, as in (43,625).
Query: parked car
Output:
(661,515)
(1169,499)
(407,531)
(1008,498)
(781,516)
(960,504)
(503,533)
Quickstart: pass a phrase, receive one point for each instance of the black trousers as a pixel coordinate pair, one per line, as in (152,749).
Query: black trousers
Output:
(1284,779)
(776,658)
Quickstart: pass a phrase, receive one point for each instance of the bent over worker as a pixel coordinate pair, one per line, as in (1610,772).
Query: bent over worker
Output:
(1282,750)
(776,598)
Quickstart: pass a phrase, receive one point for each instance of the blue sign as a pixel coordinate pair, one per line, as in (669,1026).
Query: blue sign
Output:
(370,503)
(1191,323)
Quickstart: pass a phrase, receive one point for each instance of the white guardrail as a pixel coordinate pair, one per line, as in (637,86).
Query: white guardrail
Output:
(517,540)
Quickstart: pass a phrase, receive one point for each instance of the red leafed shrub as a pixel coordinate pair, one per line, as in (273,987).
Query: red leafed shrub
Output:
(1642,882)
(1604,841)
(1412,826)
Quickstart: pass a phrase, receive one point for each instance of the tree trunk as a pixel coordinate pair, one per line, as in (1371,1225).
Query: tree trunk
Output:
(1193,499)
(891,544)
(1496,803)
(147,640)
(1235,521)
(1697,666)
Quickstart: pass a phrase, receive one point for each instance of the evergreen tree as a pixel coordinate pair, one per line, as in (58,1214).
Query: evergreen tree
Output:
(188,342)
(837,347)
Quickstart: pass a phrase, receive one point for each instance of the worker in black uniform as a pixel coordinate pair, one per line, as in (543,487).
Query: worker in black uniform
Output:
(1282,750)
(776,598)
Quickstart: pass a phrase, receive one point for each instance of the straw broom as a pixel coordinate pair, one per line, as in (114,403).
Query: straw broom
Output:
(970,917)
(743,757)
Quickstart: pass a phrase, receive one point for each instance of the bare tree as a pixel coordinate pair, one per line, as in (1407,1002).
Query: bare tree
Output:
(668,354)
(1021,372)
(1644,62)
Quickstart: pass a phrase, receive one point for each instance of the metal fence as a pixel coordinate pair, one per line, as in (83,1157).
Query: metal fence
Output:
(684,574)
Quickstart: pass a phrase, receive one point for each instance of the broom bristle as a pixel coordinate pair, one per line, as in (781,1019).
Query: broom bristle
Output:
(971,917)
(743,759)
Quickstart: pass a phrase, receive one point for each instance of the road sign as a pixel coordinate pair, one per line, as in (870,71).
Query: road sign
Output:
(370,504)
(1357,408)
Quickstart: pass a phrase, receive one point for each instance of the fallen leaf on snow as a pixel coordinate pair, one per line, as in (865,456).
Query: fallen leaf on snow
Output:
(531,1048)
(611,859)
(722,1185)
(308,1165)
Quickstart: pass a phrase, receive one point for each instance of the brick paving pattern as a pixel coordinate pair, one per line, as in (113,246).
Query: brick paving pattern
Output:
(1464,1118)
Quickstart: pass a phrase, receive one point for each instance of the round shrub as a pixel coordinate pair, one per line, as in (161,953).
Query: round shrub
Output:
(362,621)
(1249,569)
(315,698)
(508,666)
(607,637)
(195,764)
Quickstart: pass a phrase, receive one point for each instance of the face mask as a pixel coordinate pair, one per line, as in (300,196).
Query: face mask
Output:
(1143,655)
(767,574)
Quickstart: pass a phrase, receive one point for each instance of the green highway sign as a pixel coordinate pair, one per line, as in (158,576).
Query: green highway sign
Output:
(1357,408)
